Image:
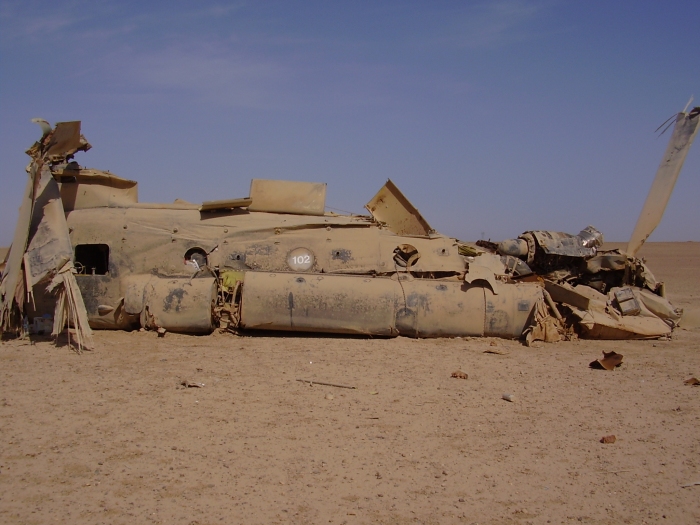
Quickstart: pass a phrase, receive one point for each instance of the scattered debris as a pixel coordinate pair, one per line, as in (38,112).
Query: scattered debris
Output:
(330,397)
(609,361)
(494,351)
(693,484)
(311,383)
(191,384)
(459,374)
(509,397)
(693,381)
(608,439)
(161,332)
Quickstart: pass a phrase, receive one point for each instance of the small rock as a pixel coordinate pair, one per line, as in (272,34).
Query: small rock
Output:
(330,397)
(459,374)
(509,397)
(608,439)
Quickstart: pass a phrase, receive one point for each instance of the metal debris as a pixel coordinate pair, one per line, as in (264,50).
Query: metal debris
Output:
(609,361)
(311,383)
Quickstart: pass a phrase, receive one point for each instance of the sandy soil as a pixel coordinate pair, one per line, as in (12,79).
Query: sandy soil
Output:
(111,436)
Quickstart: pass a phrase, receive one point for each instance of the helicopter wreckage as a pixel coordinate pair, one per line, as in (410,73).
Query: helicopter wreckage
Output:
(87,254)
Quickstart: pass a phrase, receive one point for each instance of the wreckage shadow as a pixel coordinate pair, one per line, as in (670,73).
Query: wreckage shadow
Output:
(308,335)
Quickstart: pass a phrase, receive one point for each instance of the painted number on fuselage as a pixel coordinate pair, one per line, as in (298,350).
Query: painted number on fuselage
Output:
(300,260)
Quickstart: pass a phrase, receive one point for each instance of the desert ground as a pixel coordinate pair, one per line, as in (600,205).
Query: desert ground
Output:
(112,436)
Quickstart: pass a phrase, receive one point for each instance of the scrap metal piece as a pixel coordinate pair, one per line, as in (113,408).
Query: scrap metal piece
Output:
(389,206)
(191,384)
(609,361)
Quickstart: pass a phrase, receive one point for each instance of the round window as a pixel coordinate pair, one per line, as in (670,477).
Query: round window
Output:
(300,260)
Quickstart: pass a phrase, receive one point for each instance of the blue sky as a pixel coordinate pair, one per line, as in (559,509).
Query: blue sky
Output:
(492,117)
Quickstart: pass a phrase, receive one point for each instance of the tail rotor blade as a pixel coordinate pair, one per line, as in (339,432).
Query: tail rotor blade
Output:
(683,134)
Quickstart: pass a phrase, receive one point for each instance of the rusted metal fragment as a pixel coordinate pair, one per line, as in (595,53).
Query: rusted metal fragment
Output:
(227,204)
(389,206)
(283,196)
(609,361)
(684,132)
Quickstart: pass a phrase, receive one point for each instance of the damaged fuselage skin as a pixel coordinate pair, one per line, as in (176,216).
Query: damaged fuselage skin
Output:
(182,269)
(276,260)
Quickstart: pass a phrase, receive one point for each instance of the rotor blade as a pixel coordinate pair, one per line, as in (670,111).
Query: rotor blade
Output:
(683,134)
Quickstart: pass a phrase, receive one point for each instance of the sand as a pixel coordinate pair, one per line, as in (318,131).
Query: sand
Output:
(111,436)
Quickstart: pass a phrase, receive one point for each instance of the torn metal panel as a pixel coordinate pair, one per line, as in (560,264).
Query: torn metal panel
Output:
(604,319)
(486,267)
(684,132)
(283,196)
(49,248)
(4,252)
(42,240)
(65,140)
(12,285)
(389,206)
